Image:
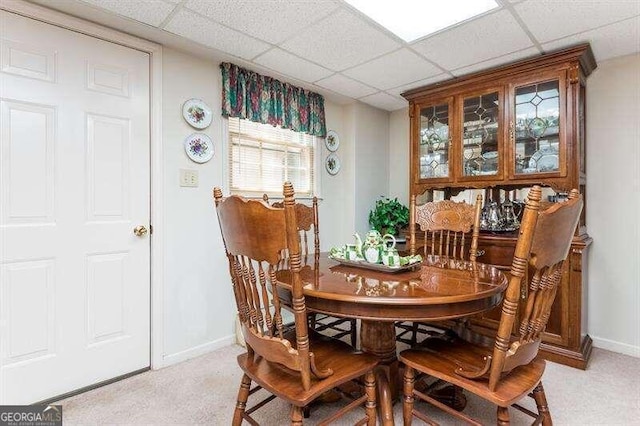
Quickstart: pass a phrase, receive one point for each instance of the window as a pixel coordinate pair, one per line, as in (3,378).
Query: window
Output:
(262,157)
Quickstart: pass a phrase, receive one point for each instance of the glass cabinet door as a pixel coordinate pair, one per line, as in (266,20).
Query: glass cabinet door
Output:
(434,141)
(536,130)
(480,135)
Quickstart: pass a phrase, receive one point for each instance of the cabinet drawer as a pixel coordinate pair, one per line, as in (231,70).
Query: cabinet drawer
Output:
(496,255)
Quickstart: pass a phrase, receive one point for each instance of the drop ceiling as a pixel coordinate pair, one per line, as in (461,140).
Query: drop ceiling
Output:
(329,47)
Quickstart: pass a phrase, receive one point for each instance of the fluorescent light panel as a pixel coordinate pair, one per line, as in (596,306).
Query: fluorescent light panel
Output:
(413,19)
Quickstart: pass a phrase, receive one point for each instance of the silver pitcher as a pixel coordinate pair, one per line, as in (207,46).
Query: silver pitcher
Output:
(492,217)
(511,213)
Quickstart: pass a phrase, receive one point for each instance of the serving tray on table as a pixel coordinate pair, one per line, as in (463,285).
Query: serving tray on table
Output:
(377,266)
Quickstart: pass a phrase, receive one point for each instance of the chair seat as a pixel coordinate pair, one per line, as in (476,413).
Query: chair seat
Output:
(440,358)
(329,353)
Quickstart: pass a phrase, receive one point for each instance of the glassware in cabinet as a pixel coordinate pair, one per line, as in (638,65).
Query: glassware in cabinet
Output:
(481,151)
(434,141)
(536,128)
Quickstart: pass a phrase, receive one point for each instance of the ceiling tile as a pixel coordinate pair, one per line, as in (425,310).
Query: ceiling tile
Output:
(512,57)
(152,12)
(424,82)
(288,64)
(272,21)
(201,30)
(340,41)
(393,69)
(622,38)
(321,37)
(384,101)
(478,40)
(551,19)
(346,86)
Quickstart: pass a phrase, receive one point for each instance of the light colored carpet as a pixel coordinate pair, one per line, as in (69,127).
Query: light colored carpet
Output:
(203,391)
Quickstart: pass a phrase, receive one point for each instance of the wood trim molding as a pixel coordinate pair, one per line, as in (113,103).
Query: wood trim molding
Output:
(154,50)
(574,74)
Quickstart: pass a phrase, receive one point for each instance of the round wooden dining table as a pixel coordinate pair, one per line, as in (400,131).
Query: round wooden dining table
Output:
(440,288)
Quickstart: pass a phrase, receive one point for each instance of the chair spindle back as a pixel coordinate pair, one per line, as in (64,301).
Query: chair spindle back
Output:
(543,245)
(450,228)
(256,236)
(307,219)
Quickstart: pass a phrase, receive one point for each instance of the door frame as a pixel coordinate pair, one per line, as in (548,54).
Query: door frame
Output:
(154,50)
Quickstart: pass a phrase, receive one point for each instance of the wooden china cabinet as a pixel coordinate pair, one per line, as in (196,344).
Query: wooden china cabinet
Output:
(503,130)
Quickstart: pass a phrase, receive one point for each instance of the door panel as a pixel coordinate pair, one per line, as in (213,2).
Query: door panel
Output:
(74,181)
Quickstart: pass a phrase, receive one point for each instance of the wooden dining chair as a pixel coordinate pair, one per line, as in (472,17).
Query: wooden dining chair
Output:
(307,219)
(450,229)
(296,365)
(510,370)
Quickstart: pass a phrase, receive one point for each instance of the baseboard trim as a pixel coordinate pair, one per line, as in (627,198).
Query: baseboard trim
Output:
(196,351)
(618,347)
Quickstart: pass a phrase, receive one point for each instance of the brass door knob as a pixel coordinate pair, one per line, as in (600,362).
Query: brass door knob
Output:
(140,230)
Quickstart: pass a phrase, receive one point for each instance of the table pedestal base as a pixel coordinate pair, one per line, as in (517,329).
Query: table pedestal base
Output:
(379,338)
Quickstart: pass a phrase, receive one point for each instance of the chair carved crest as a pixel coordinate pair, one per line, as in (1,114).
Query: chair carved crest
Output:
(445,215)
(450,228)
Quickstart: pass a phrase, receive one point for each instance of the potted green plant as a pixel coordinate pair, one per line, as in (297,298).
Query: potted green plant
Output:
(389,216)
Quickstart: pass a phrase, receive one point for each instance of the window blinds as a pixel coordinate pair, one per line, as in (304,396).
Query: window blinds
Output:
(262,157)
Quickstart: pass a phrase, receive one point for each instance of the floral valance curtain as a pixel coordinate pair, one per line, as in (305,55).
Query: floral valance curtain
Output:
(263,99)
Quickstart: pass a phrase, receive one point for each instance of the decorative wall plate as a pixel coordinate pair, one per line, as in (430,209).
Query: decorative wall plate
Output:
(199,147)
(332,141)
(197,113)
(332,164)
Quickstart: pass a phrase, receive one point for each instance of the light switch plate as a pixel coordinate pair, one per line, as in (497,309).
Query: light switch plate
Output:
(189,178)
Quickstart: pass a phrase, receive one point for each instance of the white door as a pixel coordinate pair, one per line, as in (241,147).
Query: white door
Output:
(74,180)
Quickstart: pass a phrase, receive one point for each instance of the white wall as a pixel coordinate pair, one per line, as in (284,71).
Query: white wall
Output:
(351,194)
(399,155)
(199,307)
(336,209)
(613,204)
(613,200)
(371,166)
